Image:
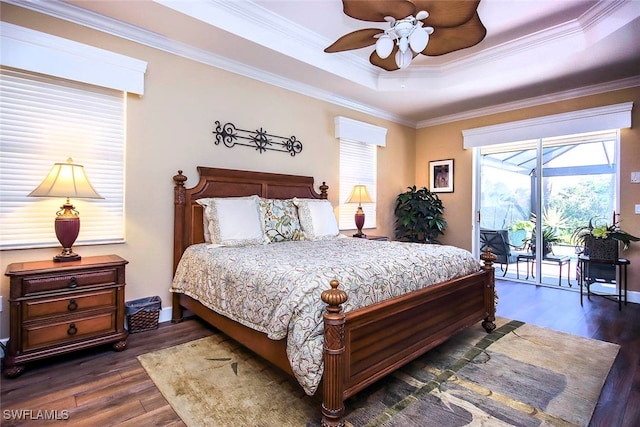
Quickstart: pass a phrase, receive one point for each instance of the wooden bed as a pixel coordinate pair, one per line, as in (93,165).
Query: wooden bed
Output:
(361,346)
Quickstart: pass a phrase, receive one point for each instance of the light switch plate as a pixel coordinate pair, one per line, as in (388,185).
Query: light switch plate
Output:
(638,209)
(635,178)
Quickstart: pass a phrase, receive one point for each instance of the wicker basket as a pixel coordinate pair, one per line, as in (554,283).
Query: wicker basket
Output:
(604,249)
(143,314)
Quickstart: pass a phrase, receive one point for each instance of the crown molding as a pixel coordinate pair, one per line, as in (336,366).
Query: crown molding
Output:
(259,25)
(575,34)
(534,102)
(593,21)
(89,19)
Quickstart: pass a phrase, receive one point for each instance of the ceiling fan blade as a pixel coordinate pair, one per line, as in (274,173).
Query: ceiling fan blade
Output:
(355,40)
(389,63)
(447,13)
(376,10)
(445,40)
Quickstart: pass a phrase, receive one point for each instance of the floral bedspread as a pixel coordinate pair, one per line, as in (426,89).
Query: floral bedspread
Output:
(275,288)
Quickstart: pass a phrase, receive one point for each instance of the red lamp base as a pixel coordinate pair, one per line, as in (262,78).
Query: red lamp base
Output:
(67,227)
(64,257)
(359,217)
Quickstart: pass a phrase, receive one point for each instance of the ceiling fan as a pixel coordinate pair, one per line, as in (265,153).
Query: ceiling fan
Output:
(428,27)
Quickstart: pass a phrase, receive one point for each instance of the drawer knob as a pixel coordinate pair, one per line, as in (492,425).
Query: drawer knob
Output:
(73,305)
(73,282)
(72,329)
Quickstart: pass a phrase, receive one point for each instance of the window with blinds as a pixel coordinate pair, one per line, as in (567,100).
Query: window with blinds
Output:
(358,165)
(44,120)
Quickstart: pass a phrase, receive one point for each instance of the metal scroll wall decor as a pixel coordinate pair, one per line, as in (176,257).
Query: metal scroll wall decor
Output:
(231,136)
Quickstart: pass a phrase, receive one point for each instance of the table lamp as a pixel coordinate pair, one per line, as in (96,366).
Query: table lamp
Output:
(359,195)
(66,180)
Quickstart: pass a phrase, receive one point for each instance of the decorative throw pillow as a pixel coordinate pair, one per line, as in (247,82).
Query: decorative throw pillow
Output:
(317,219)
(280,220)
(234,221)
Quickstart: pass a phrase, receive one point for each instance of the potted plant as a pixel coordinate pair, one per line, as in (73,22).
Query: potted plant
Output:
(549,238)
(601,241)
(520,233)
(419,216)
(553,219)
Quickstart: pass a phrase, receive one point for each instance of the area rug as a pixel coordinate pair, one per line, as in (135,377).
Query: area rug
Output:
(519,375)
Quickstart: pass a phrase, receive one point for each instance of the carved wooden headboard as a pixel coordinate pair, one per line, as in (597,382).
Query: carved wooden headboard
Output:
(188,226)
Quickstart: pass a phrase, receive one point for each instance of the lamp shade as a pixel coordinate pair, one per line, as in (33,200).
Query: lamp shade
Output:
(66,180)
(359,195)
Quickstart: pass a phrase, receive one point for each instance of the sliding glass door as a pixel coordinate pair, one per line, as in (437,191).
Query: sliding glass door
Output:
(533,194)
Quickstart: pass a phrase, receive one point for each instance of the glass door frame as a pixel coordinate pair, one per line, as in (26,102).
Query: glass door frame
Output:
(476,198)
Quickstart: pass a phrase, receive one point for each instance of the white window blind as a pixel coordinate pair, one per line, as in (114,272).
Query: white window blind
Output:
(358,165)
(44,120)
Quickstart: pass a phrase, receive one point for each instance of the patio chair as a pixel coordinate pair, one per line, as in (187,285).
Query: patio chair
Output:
(498,241)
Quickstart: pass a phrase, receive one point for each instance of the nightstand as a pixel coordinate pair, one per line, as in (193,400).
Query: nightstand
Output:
(369,237)
(57,308)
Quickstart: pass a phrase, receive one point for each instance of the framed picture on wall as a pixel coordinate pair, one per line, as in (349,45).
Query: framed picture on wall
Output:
(441,176)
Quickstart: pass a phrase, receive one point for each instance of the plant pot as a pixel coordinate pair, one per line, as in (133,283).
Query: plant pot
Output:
(606,249)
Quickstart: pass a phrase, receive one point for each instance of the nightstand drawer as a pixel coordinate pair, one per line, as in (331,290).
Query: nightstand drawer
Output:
(76,303)
(46,283)
(41,335)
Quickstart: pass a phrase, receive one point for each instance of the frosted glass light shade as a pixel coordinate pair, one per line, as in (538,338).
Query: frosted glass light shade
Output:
(403,59)
(384,46)
(418,40)
(403,44)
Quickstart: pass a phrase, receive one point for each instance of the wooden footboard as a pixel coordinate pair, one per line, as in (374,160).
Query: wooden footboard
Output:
(364,345)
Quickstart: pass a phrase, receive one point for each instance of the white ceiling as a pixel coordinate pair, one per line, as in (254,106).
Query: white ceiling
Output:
(535,51)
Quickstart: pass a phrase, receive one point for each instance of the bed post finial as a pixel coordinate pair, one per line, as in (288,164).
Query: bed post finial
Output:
(323,190)
(179,181)
(334,348)
(490,291)
(488,258)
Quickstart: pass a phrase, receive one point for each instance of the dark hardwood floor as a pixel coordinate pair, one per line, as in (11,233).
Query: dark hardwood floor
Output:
(100,387)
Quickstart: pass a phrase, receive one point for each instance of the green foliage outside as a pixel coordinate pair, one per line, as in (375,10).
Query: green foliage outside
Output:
(570,207)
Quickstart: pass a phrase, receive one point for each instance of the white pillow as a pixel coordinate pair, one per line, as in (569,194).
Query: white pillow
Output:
(317,219)
(233,221)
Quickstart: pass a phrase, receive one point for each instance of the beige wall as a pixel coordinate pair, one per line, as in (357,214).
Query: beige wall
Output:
(445,141)
(170,128)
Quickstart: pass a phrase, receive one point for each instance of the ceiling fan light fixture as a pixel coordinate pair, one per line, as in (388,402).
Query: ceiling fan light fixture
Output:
(418,40)
(403,44)
(423,14)
(384,46)
(403,59)
(410,29)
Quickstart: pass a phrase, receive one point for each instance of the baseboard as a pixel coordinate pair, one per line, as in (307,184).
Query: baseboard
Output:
(165,315)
